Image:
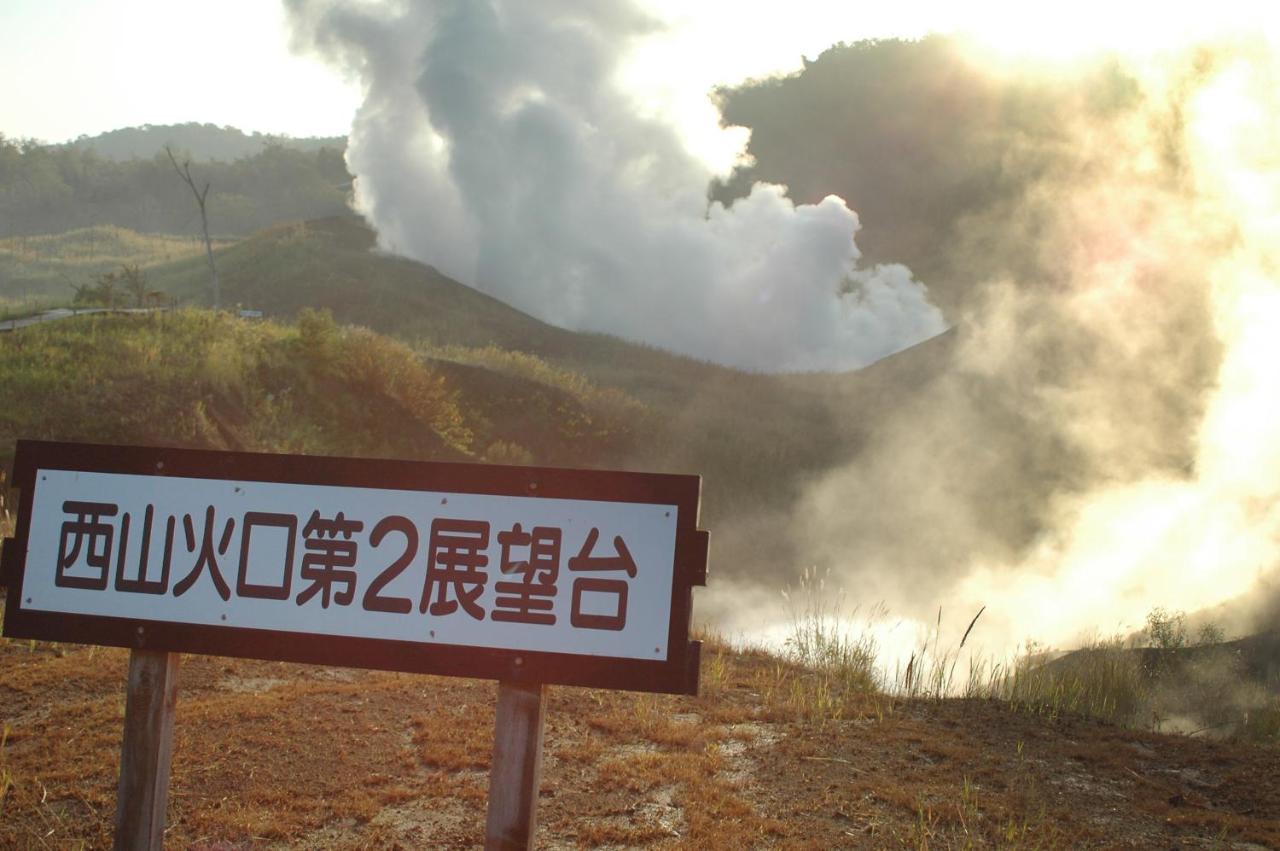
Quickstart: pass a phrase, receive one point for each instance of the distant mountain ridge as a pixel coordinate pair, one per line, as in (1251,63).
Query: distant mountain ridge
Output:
(255,181)
(202,142)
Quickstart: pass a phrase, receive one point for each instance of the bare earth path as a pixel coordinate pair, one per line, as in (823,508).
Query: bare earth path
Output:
(66,313)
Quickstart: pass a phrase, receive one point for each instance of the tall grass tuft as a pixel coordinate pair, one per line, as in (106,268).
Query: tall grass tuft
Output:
(837,663)
(1103,680)
(930,671)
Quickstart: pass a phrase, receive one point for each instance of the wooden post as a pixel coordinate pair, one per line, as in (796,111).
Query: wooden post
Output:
(148,745)
(517,767)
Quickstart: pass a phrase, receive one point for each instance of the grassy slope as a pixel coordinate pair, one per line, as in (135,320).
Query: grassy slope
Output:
(553,405)
(45,267)
(194,378)
(704,418)
(332,263)
(200,379)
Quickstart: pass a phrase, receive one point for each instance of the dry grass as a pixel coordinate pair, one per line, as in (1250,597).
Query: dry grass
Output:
(39,271)
(269,754)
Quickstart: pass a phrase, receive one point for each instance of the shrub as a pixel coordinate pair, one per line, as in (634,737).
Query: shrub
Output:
(1167,631)
(507,452)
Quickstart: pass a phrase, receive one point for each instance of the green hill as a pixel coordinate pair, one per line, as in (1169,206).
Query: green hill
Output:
(47,268)
(202,141)
(195,378)
(529,392)
(49,189)
(202,379)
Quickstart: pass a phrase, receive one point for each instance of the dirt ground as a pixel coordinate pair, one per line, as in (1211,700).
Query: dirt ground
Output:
(271,755)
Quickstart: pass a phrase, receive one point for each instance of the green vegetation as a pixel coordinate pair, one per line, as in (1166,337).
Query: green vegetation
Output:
(203,141)
(565,397)
(50,189)
(531,392)
(1104,680)
(527,410)
(47,269)
(199,379)
(196,378)
(1168,631)
(16,308)
(926,145)
(821,639)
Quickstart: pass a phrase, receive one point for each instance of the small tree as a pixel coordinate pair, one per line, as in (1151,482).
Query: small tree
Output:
(201,196)
(135,283)
(102,291)
(1168,630)
(1211,633)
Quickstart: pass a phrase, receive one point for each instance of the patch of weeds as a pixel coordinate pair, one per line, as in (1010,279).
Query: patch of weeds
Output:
(649,718)
(828,668)
(636,772)
(6,776)
(463,743)
(614,832)
(585,750)
(1103,680)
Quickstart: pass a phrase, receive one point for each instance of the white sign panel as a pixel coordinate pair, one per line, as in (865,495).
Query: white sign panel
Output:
(495,571)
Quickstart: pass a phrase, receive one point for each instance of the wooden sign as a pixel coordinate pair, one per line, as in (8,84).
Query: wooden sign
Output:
(525,575)
(575,577)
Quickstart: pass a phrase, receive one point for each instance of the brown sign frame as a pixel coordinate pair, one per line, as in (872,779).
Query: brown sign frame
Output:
(677,674)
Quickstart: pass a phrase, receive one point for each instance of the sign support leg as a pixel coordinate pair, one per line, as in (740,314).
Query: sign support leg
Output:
(147,748)
(517,767)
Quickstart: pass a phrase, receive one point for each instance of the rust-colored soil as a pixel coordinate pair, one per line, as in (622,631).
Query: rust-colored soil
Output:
(275,755)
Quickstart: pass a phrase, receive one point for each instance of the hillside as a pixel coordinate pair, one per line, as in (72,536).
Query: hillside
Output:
(194,378)
(694,416)
(49,189)
(38,270)
(704,418)
(201,141)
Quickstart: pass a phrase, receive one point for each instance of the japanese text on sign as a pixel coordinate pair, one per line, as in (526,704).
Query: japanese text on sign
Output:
(557,575)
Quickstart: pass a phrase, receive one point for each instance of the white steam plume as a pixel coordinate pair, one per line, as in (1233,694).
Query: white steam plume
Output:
(1140,374)
(498,142)
(1194,541)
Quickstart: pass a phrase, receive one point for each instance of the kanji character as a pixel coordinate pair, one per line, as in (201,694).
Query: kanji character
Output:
(87,529)
(143,585)
(621,561)
(206,556)
(329,558)
(531,598)
(263,591)
(584,561)
(455,554)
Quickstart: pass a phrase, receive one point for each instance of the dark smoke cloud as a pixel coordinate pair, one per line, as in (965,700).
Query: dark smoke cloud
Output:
(497,144)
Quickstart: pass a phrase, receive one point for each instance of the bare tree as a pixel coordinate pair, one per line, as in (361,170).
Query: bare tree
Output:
(184,171)
(135,283)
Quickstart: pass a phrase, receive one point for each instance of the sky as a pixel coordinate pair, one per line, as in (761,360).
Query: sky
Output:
(87,66)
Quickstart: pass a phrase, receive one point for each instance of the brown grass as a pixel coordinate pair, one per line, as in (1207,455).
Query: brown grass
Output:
(269,754)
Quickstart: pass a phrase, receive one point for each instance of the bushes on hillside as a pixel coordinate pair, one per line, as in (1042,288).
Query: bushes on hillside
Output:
(196,378)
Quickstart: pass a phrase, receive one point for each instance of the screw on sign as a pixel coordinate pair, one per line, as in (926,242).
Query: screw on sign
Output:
(454,569)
